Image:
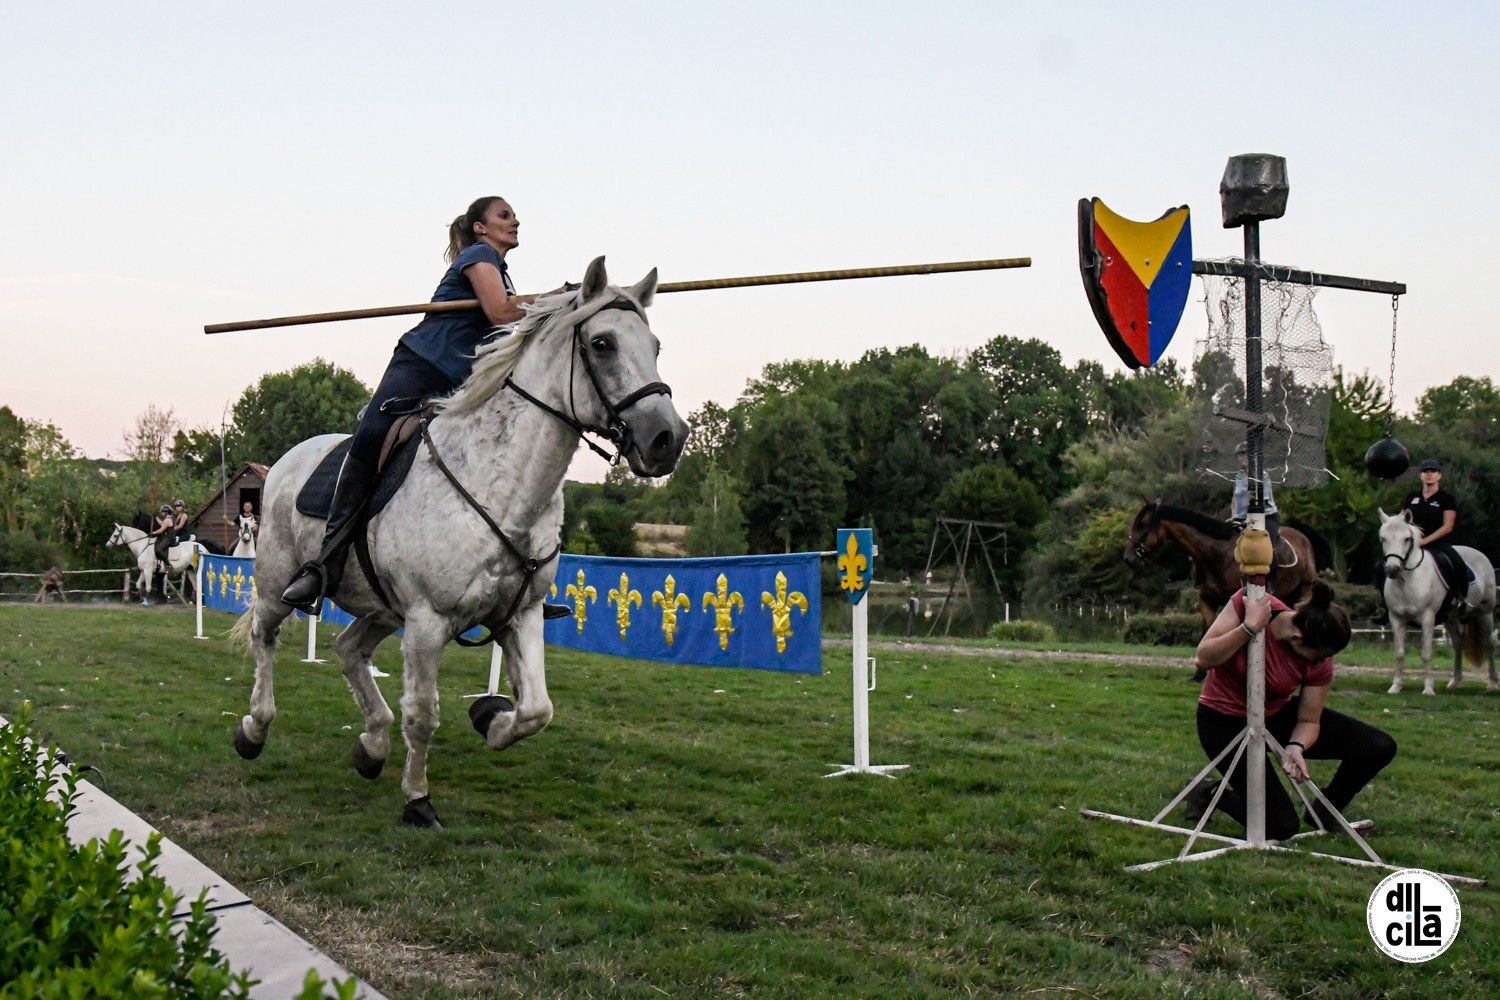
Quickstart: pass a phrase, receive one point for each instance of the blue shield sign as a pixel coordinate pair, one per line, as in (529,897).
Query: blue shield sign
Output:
(856,562)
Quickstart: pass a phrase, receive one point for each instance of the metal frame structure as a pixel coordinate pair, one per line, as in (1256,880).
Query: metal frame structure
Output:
(1254,189)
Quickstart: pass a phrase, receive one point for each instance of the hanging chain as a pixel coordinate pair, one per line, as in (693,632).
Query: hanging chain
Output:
(1390,384)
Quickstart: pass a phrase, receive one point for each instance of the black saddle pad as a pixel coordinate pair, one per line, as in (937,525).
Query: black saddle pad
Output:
(316,496)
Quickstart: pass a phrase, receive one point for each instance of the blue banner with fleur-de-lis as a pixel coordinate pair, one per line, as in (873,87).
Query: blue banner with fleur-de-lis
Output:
(760,612)
(228,583)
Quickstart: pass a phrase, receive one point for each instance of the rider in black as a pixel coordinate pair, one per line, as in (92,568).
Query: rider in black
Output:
(432,359)
(1435,511)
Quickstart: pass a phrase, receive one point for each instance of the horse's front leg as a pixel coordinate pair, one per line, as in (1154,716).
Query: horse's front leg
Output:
(526,669)
(421,649)
(1429,628)
(355,647)
(264,630)
(1398,650)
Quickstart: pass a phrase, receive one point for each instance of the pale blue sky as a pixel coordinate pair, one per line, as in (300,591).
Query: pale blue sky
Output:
(170,165)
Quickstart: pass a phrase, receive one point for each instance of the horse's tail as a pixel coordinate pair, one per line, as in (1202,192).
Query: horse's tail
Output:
(1474,642)
(239,633)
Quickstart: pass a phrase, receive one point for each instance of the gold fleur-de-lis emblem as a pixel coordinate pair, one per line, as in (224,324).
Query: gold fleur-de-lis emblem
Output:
(581,595)
(210,576)
(239,581)
(223,585)
(621,598)
(724,602)
(853,564)
(252,586)
(669,601)
(781,610)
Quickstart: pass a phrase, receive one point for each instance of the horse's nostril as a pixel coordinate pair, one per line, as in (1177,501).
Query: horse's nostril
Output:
(661,445)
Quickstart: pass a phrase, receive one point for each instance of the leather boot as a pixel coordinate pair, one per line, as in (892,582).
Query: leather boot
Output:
(320,578)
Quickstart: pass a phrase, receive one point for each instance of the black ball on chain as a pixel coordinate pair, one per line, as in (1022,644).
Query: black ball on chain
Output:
(1387,458)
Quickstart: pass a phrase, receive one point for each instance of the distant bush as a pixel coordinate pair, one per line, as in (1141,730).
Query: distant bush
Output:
(1022,630)
(73,926)
(1360,600)
(1164,630)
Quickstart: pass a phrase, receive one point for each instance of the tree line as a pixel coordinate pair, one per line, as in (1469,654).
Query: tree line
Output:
(1062,455)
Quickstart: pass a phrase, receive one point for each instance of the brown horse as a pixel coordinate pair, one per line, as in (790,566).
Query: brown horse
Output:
(1210,543)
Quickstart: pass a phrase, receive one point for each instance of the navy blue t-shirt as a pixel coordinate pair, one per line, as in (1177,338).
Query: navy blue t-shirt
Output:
(448,340)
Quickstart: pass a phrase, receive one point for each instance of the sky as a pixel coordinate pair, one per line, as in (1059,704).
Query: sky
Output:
(166,166)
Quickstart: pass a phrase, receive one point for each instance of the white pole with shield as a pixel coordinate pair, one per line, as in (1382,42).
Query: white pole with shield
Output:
(856,565)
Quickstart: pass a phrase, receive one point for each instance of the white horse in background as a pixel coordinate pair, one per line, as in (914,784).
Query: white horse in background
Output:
(142,547)
(1414,591)
(244,546)
(473,534)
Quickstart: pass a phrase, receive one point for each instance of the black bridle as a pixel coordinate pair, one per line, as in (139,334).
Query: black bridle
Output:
(615,428)
(1401,559)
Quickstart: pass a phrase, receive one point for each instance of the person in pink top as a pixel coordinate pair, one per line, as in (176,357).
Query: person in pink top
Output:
(1300,645)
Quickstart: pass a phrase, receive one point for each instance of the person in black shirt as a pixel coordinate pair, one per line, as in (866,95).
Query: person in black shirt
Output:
(1435,511)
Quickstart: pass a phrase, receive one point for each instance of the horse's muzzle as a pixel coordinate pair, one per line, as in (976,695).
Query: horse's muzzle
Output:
(657,442)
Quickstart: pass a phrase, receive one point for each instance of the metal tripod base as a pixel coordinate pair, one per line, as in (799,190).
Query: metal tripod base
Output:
(1237,746)
(881,769)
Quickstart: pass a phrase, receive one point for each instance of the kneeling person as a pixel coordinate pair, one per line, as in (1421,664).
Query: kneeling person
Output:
(1300,646)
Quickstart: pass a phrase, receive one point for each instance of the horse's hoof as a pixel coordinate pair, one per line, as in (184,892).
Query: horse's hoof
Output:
(419,813)
(367,766)
(484,710)
(1394,689)
(243,745)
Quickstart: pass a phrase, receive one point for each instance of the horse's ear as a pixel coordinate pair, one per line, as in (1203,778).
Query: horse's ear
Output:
(594,279)
(1384,517)
(644,291)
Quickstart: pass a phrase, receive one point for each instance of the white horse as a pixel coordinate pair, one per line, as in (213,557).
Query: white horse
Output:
(142,546)
(1414,592)
(244,546)
(472,536)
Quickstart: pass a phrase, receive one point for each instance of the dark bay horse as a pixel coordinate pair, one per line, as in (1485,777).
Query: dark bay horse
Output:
(1209,542)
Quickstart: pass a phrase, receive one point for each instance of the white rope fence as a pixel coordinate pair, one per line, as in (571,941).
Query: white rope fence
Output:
(123,590)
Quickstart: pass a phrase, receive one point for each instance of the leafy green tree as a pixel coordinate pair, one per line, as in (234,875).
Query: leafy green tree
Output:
(794,484)
(610,526)
(285,408)
(718,526)
(1040,408)
(12,468)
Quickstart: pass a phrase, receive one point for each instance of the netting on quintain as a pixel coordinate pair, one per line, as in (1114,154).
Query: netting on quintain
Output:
(1297,379)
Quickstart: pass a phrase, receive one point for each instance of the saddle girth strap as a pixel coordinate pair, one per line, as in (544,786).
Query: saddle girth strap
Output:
(529,566)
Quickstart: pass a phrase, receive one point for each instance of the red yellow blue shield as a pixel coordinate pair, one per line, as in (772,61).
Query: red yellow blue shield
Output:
(1137,276)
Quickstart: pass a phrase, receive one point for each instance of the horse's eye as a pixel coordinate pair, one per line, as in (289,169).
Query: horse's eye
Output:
(603,343)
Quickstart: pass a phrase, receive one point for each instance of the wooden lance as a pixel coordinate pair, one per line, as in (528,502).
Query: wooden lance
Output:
(458,305)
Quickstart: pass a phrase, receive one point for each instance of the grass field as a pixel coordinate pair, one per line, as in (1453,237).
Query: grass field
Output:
(671,833)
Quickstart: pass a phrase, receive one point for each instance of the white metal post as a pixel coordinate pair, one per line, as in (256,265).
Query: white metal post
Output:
(198,589)
(497,658)
(862,685)
(1255,718)
(312,639)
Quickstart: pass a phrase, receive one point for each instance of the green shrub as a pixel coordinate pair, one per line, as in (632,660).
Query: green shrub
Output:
(1023,630)
(71,925)
(1164,630)
(1360,600)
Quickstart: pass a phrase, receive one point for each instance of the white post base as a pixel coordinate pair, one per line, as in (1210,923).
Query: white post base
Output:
(880,769)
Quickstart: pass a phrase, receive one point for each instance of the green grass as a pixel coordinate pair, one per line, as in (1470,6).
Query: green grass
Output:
(671,833)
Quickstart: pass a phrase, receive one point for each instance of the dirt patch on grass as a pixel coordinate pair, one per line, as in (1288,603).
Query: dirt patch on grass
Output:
(364,943)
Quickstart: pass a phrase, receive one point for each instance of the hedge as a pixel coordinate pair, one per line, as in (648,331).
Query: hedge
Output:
(1023,630)
(72,924)
(1164,630)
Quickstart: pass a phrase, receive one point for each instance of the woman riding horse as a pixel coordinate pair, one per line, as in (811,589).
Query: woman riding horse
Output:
(432,359)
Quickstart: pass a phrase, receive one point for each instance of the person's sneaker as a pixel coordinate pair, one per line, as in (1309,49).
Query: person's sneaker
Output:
(1198,799)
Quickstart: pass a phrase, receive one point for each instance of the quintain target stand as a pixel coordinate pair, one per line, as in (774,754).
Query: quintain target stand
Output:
(1254,189)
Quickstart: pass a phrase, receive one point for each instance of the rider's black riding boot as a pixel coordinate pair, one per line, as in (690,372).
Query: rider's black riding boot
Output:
(319,578)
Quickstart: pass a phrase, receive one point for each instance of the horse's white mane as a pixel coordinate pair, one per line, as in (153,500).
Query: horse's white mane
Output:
(495,360)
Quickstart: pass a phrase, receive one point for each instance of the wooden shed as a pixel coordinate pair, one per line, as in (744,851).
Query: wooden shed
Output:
(215,520)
